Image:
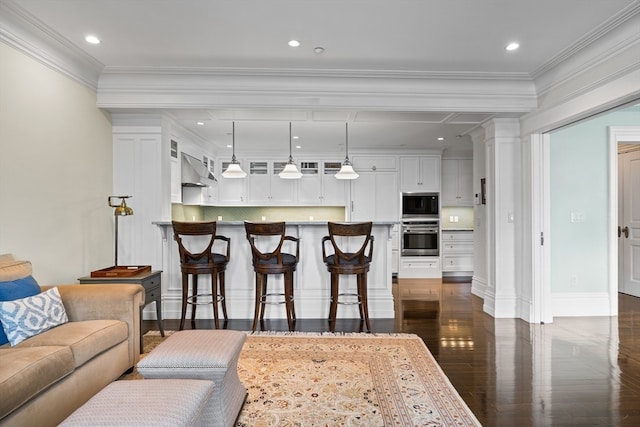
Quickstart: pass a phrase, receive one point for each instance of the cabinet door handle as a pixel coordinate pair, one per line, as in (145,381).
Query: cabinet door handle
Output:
(619,231)
(625,230)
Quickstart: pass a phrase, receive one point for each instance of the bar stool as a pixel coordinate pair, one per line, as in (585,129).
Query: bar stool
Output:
(345,261)
(271,235)
(192,235)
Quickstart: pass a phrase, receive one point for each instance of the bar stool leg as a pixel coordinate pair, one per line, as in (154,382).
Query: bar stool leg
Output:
(335,277)
(258,301)
(185,290)
(288,299)
(214,298)
(364,306)
(222,294)
(194,300)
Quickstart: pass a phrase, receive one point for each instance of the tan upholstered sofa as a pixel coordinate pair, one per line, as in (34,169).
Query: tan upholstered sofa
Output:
(44,378)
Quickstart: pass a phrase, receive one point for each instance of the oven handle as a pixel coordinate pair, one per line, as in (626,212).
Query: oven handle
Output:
(419,231)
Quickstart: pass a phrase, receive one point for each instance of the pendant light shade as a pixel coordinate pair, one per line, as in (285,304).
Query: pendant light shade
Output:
(234,170)
(290,170)
(346,171)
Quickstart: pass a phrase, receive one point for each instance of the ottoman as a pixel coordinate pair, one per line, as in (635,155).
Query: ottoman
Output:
(152,403)
(203,354)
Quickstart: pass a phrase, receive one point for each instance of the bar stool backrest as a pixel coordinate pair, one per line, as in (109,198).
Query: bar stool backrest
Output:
(341,236)
(269,248)
(195,241)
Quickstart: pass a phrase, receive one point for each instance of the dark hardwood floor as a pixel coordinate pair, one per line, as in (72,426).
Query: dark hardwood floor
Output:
(573,372)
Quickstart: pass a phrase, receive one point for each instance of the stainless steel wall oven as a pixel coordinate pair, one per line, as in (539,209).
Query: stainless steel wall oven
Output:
(420,238)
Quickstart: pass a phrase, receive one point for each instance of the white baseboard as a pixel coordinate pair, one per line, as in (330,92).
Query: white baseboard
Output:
(570,304)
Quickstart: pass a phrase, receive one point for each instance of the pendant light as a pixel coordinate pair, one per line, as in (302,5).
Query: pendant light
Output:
(346,171)
(234,170)
(290,170)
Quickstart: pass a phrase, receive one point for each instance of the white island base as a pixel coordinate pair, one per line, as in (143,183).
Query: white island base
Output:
(311,280)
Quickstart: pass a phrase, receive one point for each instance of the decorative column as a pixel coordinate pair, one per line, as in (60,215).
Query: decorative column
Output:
(502,215)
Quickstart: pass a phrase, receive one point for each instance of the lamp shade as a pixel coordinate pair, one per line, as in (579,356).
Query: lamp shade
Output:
(234,171)
(346,172)
(290,171)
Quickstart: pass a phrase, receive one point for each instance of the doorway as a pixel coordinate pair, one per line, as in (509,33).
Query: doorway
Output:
(624,147)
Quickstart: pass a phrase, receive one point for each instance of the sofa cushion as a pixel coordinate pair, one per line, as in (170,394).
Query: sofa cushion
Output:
(26,372)
(86,338)
(15,282)
(26,317)
(13,270)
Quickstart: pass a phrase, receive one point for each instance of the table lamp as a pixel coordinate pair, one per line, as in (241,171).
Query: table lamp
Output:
(120,210)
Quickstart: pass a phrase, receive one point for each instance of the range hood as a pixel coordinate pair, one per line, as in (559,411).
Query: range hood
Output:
(195,173)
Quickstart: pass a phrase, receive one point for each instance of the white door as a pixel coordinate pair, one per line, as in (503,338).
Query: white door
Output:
(629,208)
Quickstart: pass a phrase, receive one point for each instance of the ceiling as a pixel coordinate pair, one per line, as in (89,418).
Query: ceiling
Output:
(443,36)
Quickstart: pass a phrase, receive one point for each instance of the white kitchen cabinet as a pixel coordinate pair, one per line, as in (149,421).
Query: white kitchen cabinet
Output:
(457,251)
(420,267)
(457,182)
(375,197)
(265,185)
(231,191)
(319,186)
(374,163)
(420,173)
(202,196)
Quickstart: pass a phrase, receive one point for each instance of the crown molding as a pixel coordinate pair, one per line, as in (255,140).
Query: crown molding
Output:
(597,51)
(25,33)
(229,88)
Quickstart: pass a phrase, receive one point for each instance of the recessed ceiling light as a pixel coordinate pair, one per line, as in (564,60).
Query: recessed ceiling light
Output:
(294,43)
(92,39)
(296,137)
(441,138)
(318,50)
(229,146)
(512,46)
(200,123)
(298,146)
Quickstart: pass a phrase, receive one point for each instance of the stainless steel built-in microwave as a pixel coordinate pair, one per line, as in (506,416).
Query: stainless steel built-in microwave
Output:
(420,205)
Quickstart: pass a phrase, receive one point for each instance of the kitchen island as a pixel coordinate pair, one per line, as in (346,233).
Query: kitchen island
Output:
(311,279)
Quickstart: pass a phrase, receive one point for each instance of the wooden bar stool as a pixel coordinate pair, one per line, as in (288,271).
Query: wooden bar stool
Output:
(272,261)
(191,238)
(345,261)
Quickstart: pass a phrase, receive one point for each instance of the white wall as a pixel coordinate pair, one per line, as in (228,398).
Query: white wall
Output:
(55,171)
(580,246)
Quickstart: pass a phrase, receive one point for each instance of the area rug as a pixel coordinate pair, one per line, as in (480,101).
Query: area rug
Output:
(308,379)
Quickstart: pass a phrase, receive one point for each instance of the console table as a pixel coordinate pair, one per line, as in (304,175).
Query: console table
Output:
(150,281)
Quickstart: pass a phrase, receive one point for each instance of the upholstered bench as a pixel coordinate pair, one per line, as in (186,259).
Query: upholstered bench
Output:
(152,403)
(203,354)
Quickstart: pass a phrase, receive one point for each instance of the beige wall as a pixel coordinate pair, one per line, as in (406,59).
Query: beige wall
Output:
(55,171)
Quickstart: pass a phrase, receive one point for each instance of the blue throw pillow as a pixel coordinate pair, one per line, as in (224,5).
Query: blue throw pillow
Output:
(16,289)
(26,317)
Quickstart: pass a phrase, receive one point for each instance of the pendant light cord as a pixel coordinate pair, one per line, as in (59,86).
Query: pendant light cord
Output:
(290,156)
(233,142)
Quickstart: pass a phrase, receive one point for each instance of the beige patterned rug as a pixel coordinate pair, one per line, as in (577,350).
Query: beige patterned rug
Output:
(309,379)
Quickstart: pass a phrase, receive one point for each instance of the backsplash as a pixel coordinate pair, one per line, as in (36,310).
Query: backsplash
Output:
(464,215)
(181,212)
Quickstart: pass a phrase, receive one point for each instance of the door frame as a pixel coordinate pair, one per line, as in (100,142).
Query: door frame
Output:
(617,135)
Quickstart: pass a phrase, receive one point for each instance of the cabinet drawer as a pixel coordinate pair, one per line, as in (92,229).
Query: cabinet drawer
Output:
(457,247)
(151,282)
(412,264)
(375,163)
(152,294)
(448,236)
(457,263)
